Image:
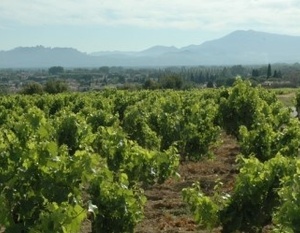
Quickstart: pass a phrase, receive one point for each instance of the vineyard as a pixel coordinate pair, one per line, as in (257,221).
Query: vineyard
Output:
(72,157)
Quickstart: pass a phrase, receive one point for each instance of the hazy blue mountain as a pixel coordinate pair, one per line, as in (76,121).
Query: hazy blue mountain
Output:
(112,53)
(249,47)
(239,47)
(39,56)
(158,51)
(153,51)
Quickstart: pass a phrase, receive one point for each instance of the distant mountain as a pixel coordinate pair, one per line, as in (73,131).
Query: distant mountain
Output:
(239,47)
(39,56)
(112,53)
(249,47)
(158,51)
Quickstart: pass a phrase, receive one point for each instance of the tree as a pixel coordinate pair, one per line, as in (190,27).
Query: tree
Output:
(54,70)
(210,84)
(277,74)
(255,73)
(171,82)
(122,79)
(104,69)
(150,84)
(32,88)
(55,86)
(237,70)
(269,72)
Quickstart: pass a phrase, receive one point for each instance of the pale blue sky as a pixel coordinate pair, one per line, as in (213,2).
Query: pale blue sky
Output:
(134,25)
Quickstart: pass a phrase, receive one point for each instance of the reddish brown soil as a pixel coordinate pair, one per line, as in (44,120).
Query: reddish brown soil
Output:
(165,210)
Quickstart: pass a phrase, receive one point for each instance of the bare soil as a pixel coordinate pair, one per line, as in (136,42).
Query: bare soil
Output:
(165,210)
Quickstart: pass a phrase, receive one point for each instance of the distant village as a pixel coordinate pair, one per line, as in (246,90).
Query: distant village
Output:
(84,79)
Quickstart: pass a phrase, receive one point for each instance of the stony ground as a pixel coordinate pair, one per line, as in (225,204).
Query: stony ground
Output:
(165,210)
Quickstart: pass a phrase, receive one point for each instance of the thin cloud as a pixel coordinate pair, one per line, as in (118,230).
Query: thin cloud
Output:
(210,15)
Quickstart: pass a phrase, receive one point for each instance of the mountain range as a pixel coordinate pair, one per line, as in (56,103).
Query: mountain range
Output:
(237,48)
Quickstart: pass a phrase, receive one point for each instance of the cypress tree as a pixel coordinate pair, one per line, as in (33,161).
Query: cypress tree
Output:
(269,72)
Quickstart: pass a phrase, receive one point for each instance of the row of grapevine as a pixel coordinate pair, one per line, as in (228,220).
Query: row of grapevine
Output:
(298,104)
(266,191)
(186,119)
(67,157)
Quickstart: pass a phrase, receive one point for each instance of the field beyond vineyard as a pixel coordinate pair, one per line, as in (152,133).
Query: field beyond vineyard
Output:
(165,210)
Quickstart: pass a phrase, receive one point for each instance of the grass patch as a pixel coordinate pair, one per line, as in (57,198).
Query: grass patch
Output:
(287,96)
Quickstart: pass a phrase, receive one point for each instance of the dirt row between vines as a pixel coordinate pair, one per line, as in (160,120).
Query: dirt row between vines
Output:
(165,210)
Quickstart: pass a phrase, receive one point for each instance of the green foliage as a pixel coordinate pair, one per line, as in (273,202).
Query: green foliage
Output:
(266,187)
(250,107)
(120,207)
(54,70)
(184,119)
(139,164)
(261,141)
(150,84)
(255,199)
(269,71)
(227,82)
(255,195)
(239,106)
(171,82)
(55,86)
(287,216)
(32,88)
(210,84)
(298,103)
(34,185)
(60,153)
(57,217)
(266,141)
(206,209)
(71,131)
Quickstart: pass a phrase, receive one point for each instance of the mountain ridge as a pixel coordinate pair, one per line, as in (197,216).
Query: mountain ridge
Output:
(238,47)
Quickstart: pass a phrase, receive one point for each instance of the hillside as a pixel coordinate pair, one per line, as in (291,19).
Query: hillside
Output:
(239,47)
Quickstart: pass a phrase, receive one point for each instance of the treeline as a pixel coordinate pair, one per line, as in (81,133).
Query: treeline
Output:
(272,75)
(50,87)
(84,79)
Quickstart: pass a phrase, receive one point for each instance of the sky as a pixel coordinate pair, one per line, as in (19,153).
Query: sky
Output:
(135,25)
